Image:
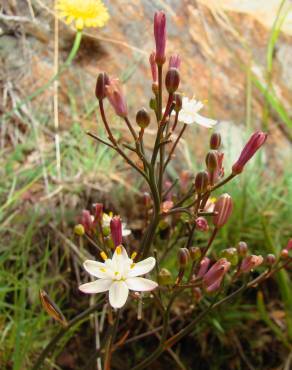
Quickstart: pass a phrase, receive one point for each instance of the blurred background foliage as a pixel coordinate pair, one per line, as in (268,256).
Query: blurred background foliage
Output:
(238,58)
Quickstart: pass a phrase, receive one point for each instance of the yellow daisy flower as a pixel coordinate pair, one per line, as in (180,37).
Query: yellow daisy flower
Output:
(85,13)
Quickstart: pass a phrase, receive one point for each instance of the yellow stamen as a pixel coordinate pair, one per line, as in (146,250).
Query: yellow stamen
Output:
(133,255)
(102,269)
(111,214)
(132,265)
(119,249)
(103,256)
(116,273)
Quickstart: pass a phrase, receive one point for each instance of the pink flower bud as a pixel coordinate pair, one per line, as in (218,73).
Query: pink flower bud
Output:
(202,224)
(183,257)
(255,142)
(175,61)
(166,206)
(98,211)
(289,245)
(219,172)
(153,67)
(160,36)
(213,278)
(284,253)
(86,221)
(116,230)
(250,262)
(204,264)
(215,141)
(115,96)
(223,207)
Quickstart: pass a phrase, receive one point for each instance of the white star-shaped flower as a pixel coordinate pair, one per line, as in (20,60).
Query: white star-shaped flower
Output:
(189,113)
(118,275)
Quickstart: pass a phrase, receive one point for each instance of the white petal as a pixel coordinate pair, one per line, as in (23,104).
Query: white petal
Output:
(118,294)
(95,268)
(97,286)
(185,117)
(126,232)
(140,284)
(120,258)
(204,121)
(142,267)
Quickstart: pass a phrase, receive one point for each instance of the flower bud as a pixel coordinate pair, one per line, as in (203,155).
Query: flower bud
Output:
(213,278)
(160,36)
(201,182)
(183,257)
(98,211)
(178,102)
(270,259)
(51,308)
(166,206)
(223,209)
(79,230)
(115,96)
(215,141)
(212,161)
(87,221)
(202,224)
(165,277)
(284,253)
(204,264)
(174,61)
(116,230)
(289,245)
(242,249)
(195,253)
(172,80)
(101,82)
(251,147)
(231,255)
(250,262)
(153,67)
(142,118)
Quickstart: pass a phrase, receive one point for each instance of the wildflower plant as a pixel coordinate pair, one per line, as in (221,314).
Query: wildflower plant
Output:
(204,273)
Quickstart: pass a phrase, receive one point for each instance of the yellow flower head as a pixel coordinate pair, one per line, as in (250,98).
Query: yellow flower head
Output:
(85,13)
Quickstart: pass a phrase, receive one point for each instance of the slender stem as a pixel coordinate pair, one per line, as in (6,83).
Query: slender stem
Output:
(41,89)
(108,351)
(97,138)
(130,127)
(54,341)
(174,146)
(108,130)
(223,182)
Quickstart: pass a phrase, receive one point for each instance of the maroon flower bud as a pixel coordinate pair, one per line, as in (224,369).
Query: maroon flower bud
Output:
(98,211)
(102,81)
(223,208)
(202,224)
(160,36)
(195,253)
(251,147)
(213,278)
(215,141)
(242,249)
(116,230)
(87,221)
(212,161)
(153,67)
(204,264)
(250,262)
(172,80)
(183,257)
(289,245)
(142,118)
(201,182)
(270,259)
(116,98)
(174,61)
(178,102)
